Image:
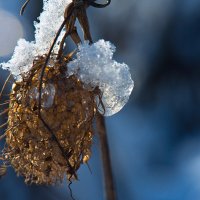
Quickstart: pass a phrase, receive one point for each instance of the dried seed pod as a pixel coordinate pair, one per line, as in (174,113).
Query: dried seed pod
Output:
(68,109)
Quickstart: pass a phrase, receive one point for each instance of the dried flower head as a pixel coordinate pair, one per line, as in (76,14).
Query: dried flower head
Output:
(53,101)
(44,153)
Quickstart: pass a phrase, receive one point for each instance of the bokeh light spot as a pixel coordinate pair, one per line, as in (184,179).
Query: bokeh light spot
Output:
(11,30)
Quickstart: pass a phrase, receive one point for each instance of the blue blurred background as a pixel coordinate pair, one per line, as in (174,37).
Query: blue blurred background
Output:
(155,140)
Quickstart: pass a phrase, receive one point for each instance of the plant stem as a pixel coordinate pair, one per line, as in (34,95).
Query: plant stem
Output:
(108,175)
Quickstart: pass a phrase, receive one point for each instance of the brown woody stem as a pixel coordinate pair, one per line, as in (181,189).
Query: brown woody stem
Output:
(108,176)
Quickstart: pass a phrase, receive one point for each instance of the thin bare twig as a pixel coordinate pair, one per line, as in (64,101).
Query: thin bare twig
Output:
(108,176)
(4,85)
(97,5)
(2,136)
(40,92)
(3,125)
(48,57)
(5,103)
(4,112)
(23,7)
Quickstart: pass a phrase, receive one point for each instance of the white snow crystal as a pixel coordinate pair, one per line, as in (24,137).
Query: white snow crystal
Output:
(94,66)
(22,58)
(47,94)
(49,22)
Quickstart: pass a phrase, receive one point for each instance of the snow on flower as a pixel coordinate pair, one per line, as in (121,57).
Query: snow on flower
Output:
(94,66)
(45,30)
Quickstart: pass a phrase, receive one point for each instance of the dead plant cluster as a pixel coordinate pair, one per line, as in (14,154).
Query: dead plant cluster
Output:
(68,110)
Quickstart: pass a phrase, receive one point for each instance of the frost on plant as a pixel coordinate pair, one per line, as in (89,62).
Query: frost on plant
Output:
(55,97)
(48,95)
(95,66)
(45,30)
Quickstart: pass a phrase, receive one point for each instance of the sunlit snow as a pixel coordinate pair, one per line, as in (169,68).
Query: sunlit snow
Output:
(49,22)
(94,66)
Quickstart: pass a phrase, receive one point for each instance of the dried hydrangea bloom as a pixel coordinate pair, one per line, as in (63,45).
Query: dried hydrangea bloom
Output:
(68,109)
(50,138)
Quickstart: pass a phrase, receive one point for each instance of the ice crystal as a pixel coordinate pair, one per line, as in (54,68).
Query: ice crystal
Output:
(48,94)
(95,66)
(45,30)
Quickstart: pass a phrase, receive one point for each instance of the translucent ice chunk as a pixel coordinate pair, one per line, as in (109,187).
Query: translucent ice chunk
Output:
(94,66)
(48,94)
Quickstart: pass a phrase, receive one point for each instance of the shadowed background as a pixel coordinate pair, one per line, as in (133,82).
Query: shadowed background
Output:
(155,140)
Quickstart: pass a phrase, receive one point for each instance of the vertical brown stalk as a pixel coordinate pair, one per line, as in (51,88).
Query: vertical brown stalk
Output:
(108,176)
